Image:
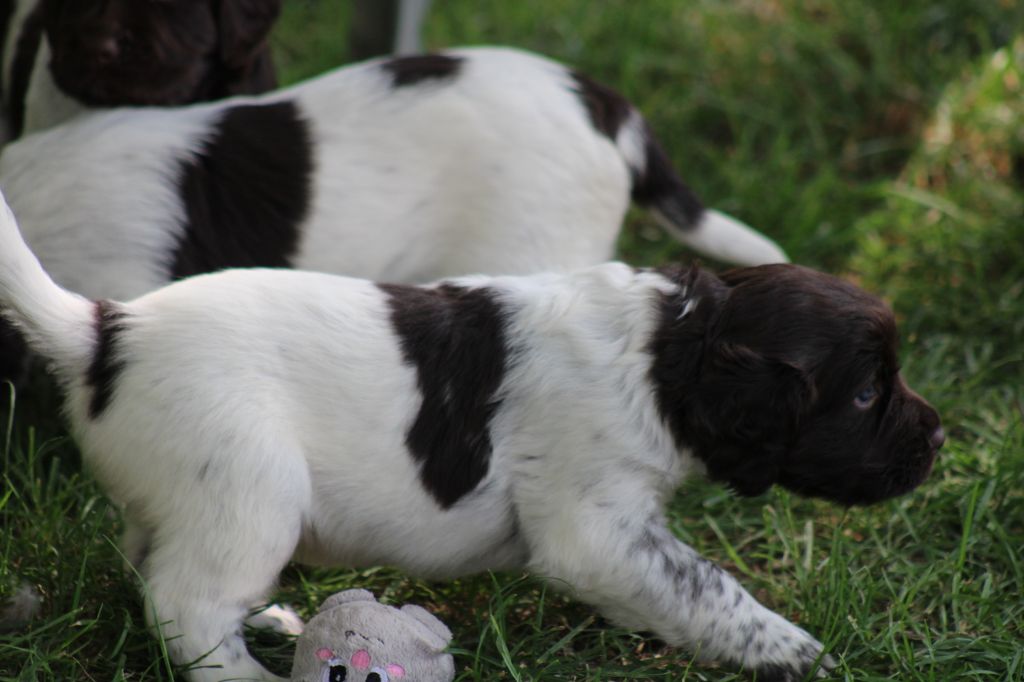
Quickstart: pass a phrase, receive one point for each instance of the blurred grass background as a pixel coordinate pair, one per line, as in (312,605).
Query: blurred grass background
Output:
(882,141)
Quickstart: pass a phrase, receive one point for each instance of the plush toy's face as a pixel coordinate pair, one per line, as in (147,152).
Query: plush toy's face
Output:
(359,667)
(354,638)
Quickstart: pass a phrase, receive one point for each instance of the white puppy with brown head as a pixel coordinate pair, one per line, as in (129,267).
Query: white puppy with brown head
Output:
(251,417)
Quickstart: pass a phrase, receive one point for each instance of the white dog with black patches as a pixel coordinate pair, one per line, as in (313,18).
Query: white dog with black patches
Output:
(250,417)
(410,169)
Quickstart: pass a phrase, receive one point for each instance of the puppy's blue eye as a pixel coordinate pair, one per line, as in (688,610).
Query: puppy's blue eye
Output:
(866,398)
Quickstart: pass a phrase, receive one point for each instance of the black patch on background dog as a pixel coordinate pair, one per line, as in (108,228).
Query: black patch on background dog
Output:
(106,365)
(608,109)
(413,70)
(658,186)
(455,337)
(247,192)
(25,49)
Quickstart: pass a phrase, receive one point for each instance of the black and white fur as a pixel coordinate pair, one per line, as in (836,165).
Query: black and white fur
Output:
(250,417)
(409,169)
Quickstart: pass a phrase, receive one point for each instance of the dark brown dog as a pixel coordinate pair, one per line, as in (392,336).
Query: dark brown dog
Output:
(106,53)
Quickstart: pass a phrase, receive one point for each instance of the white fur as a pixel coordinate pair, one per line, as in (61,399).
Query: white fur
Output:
(499,170)
(261,416)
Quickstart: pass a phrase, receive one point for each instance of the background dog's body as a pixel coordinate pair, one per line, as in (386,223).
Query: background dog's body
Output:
(482,160)
(61,56)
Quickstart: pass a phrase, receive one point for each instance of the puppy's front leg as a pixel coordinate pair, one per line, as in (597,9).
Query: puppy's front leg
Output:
(643,577)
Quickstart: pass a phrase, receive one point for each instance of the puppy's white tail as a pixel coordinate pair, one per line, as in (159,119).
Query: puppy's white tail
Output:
(657,186)
(58,324)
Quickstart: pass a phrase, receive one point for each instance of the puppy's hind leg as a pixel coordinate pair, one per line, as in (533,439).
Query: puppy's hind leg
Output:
(219,553)
(643,577)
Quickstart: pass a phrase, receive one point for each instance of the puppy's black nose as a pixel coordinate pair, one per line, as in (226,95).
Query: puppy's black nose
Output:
(937,438)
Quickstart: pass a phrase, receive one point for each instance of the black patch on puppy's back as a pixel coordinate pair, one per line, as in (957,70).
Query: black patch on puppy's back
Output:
(247,192)
(416,69)
(106,365)
(455,337)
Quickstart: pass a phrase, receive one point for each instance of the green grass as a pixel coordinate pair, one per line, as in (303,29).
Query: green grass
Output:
(881,140)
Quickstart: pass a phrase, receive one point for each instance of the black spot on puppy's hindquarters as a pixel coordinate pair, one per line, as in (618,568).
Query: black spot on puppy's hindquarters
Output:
(106,365)
(247,192)
(455,337)
(14,355)
(419,68)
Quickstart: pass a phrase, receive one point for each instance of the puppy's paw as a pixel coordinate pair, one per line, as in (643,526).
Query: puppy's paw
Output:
(782,652)
(280,619)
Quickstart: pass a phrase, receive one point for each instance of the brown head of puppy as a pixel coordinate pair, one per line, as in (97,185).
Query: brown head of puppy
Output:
(780,374)
(159,52)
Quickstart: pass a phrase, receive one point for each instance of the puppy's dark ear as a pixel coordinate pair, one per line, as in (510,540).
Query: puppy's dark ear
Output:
(755,404)
(244,27)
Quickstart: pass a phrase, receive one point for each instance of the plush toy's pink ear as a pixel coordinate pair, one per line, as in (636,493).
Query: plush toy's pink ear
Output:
(324,654)
(361,659)
(394,670)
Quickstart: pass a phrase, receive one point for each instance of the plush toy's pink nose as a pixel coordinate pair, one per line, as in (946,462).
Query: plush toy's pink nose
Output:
(361,659)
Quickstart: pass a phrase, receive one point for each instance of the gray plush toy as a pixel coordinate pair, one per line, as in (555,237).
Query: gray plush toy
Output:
(355,638)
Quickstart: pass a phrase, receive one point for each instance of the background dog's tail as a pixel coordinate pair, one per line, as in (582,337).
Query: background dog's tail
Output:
(57,323)
(658,187)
